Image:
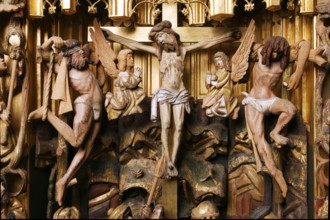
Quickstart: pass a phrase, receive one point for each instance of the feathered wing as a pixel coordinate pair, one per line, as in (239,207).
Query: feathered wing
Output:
(104,51)
(240,60)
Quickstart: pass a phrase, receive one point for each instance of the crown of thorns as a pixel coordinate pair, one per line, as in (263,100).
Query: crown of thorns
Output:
(70,47)
(71,51)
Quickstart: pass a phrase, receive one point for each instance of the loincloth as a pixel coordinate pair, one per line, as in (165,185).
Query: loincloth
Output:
(174,98)
(95,107)
(261,105)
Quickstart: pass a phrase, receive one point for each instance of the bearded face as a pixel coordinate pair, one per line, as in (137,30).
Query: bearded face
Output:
(166,41)
(78,60)
(276,56)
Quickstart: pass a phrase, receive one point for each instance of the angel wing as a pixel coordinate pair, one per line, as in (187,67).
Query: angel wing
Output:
(104,51)
(239,60)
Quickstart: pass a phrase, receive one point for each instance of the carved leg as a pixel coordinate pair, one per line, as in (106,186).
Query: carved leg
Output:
(286,110)
(165,117)
(61,184)
(255,121)
(178,113)
(267,155)
(63,128)
(82,125)
(78,160)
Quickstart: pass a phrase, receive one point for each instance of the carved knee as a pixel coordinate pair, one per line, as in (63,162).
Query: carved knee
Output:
(166,126)
(179,130)
(292,111)
(258,138)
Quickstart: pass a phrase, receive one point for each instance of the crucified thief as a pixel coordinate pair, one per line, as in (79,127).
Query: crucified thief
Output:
(72,69)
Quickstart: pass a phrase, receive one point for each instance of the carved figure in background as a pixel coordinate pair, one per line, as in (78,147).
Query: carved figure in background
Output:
(220,100)
(3,65)
(205,210)
(73,68)
(16,42)
(11,6)
(322,111)
(11,208)
(12,138)
(273,58)
(323,31)
(67,213)
(172,96)
(4,114)
(127,95)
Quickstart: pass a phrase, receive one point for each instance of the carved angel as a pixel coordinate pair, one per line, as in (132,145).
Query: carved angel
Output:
(220,101)
(127,95)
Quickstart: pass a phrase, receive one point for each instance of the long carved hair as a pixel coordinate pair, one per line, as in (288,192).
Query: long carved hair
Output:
(122,59)
(165,26)
(225,60)
(281,46)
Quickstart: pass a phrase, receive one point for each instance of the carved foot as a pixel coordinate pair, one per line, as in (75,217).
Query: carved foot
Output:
(279,139)
(40,113)
(60,187)
(281,182)
(209,112)
(108,98)
(171,170)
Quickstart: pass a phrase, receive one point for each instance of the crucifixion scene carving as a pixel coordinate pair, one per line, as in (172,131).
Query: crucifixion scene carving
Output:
(164,109)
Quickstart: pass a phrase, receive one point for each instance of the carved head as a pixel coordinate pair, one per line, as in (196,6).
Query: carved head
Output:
(77,58)
(276,49)
(205,210)
(90,54)
(70,47)
(221,61)
(165,37)
(15,40)
(125,59)
(67,213)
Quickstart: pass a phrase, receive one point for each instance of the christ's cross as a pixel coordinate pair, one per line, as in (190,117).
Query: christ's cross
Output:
(187,35)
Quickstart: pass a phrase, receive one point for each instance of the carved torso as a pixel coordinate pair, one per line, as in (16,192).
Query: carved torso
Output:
(265,79)
(171,69)
(85,83)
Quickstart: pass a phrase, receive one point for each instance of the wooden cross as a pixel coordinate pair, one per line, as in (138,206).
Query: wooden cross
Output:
(149,63)
(187,35)
(170,13)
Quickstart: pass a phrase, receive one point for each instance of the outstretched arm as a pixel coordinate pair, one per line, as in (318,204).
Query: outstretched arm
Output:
(133,45)
(303,48)
(43,51)
(231,36)
(54,40)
